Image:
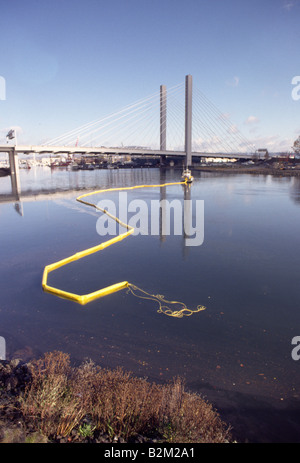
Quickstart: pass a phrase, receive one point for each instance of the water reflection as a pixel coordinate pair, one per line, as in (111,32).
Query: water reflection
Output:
(187,218)
(19,208)
(245,273)
(162,211)
(295,190)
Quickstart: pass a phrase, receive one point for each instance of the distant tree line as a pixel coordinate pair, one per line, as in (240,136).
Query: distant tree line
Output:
(296,145)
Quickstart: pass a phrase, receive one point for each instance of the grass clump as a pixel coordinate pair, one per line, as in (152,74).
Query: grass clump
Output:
(88,401)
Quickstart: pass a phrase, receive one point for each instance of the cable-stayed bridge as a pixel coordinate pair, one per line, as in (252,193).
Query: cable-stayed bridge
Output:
(179,121)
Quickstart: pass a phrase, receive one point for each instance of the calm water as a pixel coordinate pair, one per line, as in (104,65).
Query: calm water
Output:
(237,353)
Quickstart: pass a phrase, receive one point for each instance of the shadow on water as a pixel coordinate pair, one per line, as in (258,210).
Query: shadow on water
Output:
(256,419)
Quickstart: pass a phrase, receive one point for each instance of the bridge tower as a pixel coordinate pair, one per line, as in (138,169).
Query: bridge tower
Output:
(163,118)
(188,119)
(163,121)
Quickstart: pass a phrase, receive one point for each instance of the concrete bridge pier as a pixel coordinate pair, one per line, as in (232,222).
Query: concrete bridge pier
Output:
(14,171)
(163,160)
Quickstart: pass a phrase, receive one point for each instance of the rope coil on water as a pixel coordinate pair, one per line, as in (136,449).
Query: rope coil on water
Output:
(164,305)
(161,301)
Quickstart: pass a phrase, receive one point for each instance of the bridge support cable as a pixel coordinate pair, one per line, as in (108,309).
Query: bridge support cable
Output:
(119,125)
(179,119)
(176,122)
(125,129)
(229,137)
(207,134)
(75,132)
(143,128)
(115,125)
(225,120)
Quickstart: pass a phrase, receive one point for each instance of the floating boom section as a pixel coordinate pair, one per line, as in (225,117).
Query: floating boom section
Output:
(164,305)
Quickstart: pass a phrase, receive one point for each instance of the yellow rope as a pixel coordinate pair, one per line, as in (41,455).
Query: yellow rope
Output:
(85,298)
(184,311)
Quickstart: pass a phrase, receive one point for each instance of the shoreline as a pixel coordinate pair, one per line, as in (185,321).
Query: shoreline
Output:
(292,170)
(48,400)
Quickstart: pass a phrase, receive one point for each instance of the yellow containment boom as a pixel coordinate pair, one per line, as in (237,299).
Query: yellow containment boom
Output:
(85,298)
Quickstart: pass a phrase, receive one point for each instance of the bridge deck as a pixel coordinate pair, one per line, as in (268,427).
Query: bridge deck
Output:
(30,149)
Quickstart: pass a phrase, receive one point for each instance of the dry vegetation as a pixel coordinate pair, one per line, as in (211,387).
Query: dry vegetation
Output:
(61,401)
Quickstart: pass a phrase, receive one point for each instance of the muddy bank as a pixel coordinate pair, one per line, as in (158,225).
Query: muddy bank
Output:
(49,401)
(271,167)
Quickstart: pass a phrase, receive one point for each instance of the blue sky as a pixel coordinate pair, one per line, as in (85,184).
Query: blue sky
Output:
(66,63)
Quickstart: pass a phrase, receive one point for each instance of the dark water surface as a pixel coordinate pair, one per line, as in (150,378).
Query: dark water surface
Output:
(237,353)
